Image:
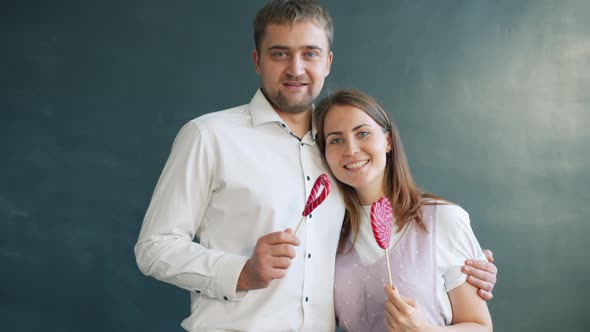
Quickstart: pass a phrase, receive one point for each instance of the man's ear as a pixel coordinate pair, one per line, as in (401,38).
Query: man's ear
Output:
(256,60)
(330,57)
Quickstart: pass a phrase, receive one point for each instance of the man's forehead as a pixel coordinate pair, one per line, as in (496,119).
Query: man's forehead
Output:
(295,34)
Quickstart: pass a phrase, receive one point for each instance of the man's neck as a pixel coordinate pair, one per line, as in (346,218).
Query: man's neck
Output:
(299,123)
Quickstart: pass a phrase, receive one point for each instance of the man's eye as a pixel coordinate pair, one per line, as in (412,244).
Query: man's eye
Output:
(279,54)
(312,54)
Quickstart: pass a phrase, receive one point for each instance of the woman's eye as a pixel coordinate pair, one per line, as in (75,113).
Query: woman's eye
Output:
(336,141)
(364,134)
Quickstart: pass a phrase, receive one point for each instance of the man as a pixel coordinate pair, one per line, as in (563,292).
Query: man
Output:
(237,182)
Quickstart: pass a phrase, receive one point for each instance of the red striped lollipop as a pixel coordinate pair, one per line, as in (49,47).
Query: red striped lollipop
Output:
(382,222)
(381,218)
(315,197)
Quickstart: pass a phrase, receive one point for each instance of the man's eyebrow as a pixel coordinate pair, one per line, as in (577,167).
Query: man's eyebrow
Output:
(283,47)
(313,47)
(353,129)
(277,47)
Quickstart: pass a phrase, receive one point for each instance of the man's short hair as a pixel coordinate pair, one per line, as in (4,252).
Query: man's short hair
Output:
(289,12)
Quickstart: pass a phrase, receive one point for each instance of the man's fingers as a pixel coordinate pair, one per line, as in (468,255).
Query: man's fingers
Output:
(278,273)
(276,269)
(480,265)
(281,262)
(485,295)
(270,260)
(281,250)
(478,283)
(489,255)
(280,238)
(481,274)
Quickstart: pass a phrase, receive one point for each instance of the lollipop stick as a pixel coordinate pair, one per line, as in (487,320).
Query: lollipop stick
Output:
(299,224)
(388,268)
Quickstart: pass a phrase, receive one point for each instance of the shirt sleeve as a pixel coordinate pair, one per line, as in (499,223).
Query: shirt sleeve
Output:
(165,249)
(456,243)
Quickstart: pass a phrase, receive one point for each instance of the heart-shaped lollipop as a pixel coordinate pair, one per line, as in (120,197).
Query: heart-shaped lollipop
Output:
(382,222)
(316,197)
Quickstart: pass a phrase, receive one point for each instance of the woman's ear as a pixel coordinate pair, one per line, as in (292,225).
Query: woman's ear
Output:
(389,147)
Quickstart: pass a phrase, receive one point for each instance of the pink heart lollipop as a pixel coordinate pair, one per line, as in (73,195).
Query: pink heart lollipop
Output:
(382,222)
(315,197)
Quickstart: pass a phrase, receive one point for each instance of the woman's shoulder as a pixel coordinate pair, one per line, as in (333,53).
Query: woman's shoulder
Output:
(451,213)
(448,215)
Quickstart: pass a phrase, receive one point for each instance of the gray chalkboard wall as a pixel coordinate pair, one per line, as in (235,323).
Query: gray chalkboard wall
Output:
(492,99)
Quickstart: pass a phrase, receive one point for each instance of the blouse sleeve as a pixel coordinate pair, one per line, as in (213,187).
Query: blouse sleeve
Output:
(455,242)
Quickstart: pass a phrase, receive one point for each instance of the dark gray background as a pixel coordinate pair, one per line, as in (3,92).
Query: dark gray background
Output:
(492,99)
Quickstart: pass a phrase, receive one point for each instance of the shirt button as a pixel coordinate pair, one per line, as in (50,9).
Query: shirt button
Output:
(301,144)
(306,299)
(198,291)
(283,125)
(308,178)
(308,255)
(225,298)
(310,216)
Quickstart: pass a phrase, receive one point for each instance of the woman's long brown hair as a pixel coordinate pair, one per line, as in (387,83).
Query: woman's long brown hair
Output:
(405,196)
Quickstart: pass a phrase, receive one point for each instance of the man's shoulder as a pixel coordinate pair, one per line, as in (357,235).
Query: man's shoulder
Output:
(230,115)
(215,123)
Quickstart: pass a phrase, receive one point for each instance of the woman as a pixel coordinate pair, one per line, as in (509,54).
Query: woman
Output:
(431,237)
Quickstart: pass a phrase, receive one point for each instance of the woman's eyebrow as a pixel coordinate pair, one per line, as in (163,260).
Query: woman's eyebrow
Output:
(353,129)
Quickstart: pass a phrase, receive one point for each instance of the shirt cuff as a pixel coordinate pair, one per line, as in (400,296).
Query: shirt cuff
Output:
(226,279)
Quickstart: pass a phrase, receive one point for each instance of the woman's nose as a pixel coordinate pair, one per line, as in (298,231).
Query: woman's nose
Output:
(351,147)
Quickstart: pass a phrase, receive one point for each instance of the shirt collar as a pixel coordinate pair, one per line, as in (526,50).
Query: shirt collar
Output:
(262,111)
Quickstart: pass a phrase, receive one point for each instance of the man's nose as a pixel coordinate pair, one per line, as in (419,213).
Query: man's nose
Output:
(296,67)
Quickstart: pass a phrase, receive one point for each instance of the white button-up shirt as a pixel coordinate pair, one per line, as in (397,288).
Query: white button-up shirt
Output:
(232,177)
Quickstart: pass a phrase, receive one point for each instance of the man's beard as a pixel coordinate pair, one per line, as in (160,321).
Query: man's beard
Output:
(282,103)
